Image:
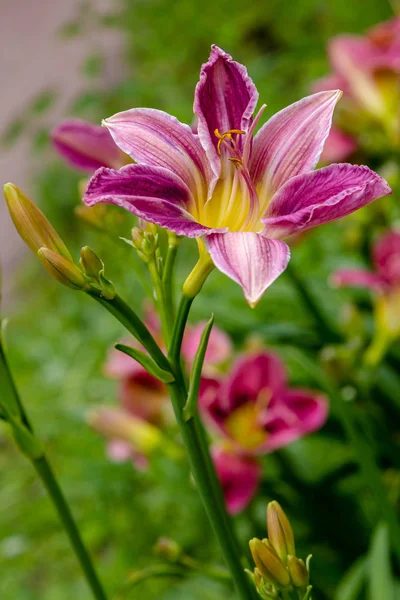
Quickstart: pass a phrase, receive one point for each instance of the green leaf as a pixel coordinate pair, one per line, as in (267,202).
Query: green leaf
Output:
(190,408)
(380,584)
(43,101)
(146,362)
(13,132)
(352,582)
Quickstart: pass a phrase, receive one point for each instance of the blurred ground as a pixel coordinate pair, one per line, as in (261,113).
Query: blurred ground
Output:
(34,60)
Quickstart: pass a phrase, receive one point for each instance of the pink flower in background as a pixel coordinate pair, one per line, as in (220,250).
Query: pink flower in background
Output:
(242,192)
(367,69)
(386,274)
(87,147)
(254,412)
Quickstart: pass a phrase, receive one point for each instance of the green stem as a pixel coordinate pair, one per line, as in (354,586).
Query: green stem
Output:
(325,329)
(168,272)
(194,440)
(165,314)
(46,474)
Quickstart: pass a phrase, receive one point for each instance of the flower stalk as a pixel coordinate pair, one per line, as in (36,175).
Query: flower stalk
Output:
(45,472)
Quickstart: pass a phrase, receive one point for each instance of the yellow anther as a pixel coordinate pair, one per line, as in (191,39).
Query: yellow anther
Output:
(227,135)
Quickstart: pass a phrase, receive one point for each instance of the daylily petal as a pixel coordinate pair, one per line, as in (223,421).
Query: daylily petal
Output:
(239,477)
(86,146)
(321,196)
(338,146)
(253,261)
(386,254)
(152,193)
(358,278)
(145,397)
(291,142)
(298,413)
(225,98)
(252,375)
(153,137)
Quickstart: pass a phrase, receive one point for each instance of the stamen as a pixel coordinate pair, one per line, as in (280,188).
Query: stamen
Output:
(222,137)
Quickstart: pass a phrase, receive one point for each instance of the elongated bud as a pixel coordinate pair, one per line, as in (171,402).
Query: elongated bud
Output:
(269,564)
(298,571)
(63,270)
(280,532)
(31,224)
(90,262)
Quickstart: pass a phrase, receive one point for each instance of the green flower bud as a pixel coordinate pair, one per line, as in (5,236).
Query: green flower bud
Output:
(280,532)
(269,564)
(31,224)
(65,271)
(298,571)
(90,262)
(168,549)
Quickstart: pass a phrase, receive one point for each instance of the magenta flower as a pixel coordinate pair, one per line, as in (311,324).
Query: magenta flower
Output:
(366,68)
(87,147)
(255,412)
(386,276)
(242,192)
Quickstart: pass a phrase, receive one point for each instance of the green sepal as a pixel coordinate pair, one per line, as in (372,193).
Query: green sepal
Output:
(190,408)
(146,362)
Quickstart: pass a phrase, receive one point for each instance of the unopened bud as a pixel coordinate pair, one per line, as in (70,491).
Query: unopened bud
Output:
(90,262)
(280,532)
(168,549)
(31,224)
(269,564)
(62,269)
(298,571)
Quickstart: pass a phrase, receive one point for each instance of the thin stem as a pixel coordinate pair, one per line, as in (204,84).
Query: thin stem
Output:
(168,272)
(194,440)
(47,476)
(165,313)
(325,329)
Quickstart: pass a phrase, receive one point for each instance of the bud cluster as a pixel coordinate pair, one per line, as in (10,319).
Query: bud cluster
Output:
(145,240)
(44,241)
(278,570)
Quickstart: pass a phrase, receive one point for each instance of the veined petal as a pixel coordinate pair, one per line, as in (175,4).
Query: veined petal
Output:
(225,98)
(152,193)
(153,137)
(86,146)
(358,278)
(239,477)
(321,196)
(253,261)
(291,142)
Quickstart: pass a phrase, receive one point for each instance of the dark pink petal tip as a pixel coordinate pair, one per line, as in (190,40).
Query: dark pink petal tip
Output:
(322,196)
(357,278)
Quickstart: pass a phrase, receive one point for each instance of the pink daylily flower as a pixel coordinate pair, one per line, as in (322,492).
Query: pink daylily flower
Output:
(255,412)
(386,275)
(241,192)
(366,68)
(86,147)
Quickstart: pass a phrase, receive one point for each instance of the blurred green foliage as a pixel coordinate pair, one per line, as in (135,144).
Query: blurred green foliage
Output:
(58,340)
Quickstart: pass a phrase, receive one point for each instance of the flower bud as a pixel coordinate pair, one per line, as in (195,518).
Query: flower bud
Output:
(63,270)
(280,532)
(90,262)
(269,564)
(168,549)
(31,224)
(298,571)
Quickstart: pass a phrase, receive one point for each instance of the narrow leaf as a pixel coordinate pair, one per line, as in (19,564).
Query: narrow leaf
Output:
(189,410)
(353,581)
(146,362)
(380,583)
